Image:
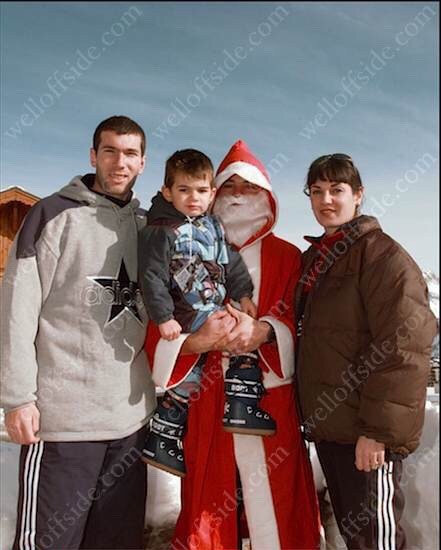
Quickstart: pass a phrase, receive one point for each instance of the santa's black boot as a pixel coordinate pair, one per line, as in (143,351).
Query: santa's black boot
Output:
(243,392)
(163,446)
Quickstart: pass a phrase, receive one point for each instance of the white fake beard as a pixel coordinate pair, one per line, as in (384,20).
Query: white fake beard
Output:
(243,216)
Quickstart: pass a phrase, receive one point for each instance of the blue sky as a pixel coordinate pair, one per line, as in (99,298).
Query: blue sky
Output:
(294,80)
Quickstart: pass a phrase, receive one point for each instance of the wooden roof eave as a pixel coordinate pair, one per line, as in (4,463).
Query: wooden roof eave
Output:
(15,194)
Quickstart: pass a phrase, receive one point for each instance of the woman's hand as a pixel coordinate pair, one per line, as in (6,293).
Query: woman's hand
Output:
(369,454)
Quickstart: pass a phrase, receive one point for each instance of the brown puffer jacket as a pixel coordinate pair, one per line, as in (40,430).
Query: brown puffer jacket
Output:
(366,337)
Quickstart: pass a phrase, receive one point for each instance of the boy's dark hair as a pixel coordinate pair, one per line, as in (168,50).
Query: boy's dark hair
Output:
(337,167)
(120,125)
(190,162)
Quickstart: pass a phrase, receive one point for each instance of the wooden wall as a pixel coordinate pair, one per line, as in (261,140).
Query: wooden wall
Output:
(14,205)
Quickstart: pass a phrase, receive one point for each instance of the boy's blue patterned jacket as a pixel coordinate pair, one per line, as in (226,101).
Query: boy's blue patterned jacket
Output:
(187,268)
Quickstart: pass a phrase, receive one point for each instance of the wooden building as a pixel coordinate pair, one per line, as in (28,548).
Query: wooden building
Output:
(14,205)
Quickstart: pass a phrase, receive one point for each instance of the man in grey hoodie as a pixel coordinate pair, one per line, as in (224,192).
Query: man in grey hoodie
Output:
(76,386)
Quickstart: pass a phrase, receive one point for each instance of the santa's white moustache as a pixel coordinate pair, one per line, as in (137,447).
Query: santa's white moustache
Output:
(243,215)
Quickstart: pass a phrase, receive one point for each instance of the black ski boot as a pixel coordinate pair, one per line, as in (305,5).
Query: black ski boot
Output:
(163,446)
(243,390)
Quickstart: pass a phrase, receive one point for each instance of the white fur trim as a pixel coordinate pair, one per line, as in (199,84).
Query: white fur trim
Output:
(258,500)
(270,230)
(286,353)
(166,355)
(251,255)
(246,171)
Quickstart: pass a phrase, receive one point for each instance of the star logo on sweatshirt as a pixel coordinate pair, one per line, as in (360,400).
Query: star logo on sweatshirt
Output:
(120,293)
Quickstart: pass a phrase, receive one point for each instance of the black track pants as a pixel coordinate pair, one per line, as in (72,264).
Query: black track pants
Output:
(88,495)
(367,505)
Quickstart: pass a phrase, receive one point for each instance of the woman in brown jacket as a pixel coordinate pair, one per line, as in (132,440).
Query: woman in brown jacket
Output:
(365,334)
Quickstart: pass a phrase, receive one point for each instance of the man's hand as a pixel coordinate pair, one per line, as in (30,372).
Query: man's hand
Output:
(215,328)
(369,454)
(248,334)
(22,424)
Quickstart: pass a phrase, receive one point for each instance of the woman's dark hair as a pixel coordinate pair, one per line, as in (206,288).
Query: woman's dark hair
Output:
(337,167)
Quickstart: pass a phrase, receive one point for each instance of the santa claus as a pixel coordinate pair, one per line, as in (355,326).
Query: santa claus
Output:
(267,480)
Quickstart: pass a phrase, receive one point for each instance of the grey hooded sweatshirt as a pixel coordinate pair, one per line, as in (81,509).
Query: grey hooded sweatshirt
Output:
(73,321)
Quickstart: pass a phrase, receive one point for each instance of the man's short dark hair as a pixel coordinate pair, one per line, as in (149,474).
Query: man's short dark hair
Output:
(120,125)
(190,162)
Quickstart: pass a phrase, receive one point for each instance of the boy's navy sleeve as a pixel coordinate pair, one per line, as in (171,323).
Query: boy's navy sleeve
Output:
(238,281)
(154,253)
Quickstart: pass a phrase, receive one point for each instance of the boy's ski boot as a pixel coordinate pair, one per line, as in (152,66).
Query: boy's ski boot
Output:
(163,447)
(243,391)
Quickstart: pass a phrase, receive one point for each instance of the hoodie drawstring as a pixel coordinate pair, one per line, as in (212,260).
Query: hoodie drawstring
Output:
(190,221)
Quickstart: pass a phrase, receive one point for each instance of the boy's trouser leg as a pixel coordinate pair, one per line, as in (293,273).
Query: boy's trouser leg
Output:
(163,447)
(64,484)
(367,505)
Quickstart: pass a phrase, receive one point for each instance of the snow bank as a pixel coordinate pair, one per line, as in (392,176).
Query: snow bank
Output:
(420,485)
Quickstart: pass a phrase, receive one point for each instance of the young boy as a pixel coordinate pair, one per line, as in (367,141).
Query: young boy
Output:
(187,270)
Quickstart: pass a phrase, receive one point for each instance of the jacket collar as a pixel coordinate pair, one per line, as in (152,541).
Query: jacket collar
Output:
(352,230)
(163,212)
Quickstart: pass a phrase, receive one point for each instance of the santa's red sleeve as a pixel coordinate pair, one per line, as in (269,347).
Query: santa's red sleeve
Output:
(276,308)
(169,368)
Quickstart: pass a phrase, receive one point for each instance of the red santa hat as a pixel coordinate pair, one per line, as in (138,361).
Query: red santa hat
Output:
(241,161)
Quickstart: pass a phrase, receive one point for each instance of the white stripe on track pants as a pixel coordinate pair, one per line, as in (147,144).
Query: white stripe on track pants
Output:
(367,505)
(82,495)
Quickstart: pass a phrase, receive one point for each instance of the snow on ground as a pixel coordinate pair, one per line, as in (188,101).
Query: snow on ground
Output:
(420,485)
(163,498)
(433,286)
(9,454)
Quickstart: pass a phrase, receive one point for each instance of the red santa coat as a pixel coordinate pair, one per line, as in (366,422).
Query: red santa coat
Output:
(274,471)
